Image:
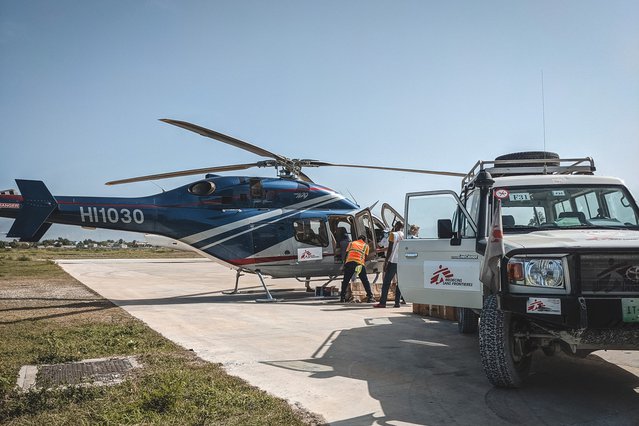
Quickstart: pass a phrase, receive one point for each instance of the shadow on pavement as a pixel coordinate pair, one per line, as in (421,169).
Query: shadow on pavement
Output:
(283,296)
(424,372)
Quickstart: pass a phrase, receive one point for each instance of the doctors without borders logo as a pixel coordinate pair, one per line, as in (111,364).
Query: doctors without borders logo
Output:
(311,253)
(441,275)
(454,274)
(543,305)
(306,255)
(444,277)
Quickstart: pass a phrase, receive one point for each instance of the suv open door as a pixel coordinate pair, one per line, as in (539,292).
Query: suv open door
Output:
(438,264)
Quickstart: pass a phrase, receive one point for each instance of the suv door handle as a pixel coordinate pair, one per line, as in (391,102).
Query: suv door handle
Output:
(410,255)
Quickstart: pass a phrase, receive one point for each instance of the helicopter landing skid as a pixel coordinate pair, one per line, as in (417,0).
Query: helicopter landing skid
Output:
(269,298)
(239,273)
(237,283)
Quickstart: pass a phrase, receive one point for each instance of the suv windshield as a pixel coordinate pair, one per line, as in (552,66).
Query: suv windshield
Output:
(530,208)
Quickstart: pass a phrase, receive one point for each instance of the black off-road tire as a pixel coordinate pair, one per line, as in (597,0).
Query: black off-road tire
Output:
(531,155)
(496,347)
(467,321)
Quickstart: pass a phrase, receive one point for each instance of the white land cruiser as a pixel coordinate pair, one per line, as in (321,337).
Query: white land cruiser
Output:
(569,277)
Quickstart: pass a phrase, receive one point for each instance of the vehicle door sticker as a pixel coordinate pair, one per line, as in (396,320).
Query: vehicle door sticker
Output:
(452,275)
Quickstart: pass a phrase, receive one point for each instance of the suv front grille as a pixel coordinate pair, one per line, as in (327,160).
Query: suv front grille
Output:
(610,273)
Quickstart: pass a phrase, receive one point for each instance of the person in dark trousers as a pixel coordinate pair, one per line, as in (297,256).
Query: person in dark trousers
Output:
(342,240)
(390,266)
(356,254)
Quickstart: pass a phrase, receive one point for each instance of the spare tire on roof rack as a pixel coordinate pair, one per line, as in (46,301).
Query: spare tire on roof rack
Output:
(552,159)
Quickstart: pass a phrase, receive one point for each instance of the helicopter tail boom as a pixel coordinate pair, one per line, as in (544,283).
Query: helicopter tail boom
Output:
(31,210)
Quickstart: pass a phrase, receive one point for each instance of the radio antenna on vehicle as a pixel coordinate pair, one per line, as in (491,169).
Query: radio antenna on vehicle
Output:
(543,108)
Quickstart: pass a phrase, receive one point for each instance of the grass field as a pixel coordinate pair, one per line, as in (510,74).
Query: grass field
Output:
(48,317)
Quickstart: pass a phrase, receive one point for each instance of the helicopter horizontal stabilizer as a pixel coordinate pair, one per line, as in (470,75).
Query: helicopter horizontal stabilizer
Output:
(37,206)
(39,234)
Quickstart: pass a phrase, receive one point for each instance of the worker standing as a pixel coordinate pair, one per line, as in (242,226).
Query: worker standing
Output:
(390,266)
(356,254)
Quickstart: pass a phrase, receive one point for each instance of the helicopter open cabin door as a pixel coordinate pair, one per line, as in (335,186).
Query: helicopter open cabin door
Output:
(390,216)
(437,261)
(365,225)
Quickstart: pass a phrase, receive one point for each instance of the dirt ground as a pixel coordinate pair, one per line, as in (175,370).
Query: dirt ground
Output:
(47,317)
(61,299)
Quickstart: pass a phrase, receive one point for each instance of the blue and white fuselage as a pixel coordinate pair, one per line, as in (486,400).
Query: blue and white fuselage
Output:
(250,223)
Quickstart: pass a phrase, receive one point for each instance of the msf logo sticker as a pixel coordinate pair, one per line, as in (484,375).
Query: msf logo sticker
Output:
(306,255)
(542,305)
(455,274)
(309,254)
(441,275)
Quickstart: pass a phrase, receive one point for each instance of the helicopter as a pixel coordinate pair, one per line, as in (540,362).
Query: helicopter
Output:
(284,227)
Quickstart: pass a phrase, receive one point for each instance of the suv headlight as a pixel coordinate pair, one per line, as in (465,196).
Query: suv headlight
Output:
(547,273)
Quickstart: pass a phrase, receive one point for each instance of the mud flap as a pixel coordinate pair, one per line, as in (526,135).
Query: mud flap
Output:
(37,206)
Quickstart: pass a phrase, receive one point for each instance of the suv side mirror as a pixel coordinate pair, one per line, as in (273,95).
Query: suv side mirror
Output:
(444,228)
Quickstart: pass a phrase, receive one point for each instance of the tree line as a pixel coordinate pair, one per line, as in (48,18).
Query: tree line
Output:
(60,241)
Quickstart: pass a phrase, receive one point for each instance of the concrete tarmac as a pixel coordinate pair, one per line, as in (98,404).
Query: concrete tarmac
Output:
(353,364)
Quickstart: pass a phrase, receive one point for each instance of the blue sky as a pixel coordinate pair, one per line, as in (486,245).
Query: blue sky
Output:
(419,84)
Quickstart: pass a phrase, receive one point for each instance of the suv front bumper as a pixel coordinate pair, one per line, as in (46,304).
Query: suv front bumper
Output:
(587,322)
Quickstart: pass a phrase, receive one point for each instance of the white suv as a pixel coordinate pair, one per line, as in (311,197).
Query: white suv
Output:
(569,275)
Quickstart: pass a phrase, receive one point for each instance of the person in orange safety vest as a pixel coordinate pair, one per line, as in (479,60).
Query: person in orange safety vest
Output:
(357,252)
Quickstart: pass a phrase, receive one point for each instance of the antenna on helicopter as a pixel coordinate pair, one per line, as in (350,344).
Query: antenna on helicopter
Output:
(352,196)
(157,185)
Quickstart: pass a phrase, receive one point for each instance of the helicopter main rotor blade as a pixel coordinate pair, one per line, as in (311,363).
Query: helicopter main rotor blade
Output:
(187,173)
(314,163)
(304,178)
(224,138)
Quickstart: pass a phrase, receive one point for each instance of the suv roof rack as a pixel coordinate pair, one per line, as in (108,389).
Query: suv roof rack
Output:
(539,166)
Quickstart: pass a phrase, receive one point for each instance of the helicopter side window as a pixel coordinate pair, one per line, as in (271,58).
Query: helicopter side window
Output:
(311,231)
(202,188)
(256,189)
